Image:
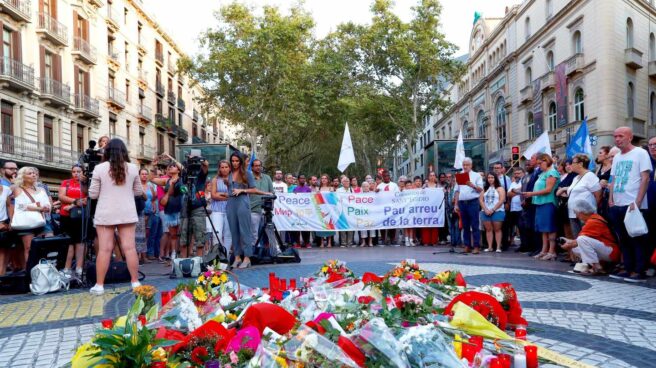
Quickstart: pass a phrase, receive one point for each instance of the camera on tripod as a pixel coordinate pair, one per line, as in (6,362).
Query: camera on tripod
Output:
(267,202)
(90,158)
(192,166)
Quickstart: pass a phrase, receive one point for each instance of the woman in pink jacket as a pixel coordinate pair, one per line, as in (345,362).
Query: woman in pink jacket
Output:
(115,183)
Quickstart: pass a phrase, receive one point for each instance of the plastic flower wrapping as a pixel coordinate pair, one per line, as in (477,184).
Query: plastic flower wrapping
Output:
(407,317)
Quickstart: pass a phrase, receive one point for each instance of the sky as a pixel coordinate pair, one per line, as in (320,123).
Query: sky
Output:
(185,20)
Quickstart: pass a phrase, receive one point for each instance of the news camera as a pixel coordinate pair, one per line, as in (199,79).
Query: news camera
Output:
(192,165)
(267,202)
(90,158)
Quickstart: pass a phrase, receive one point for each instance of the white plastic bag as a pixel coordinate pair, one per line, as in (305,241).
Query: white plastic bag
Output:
(634,222)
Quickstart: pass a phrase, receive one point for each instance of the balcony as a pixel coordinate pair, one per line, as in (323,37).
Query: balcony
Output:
(171,97)
(181,104)
(141,48)
(197,140)
(84,50)
(575,64)
(145,114)
(115,98)
(633,58)
(52,30)
(143,76)
(113,18)
(547,81)
(35,153)
(195,115)
(97,3)
(113,58)
(146,153)
(19,10)
(526,94)
(171,67)
(159,58)
(183,135)
(57,93)
(651,68)
(16,75)
(162,123)
(87,107)
(159,88)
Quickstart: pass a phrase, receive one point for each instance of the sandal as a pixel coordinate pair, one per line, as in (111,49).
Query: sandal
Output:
(594,273)
(539,255)
(549,257)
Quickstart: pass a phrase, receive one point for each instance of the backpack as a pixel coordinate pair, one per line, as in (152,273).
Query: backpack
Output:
(46,278)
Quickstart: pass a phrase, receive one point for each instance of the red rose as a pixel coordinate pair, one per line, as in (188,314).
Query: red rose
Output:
(199,355)
(365,299)
(371,277)
(460,281)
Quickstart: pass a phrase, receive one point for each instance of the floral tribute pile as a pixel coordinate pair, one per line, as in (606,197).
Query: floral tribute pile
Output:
(405,318)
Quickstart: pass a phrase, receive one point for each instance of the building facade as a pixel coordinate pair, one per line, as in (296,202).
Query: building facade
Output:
(546,65)
(75,70)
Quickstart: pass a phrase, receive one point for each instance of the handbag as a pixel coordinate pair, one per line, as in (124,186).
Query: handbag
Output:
(26,220)
(187,267)
(116,273)
(75,212)
(634,222)
(46,278)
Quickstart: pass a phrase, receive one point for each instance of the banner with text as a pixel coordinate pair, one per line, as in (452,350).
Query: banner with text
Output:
(330,211)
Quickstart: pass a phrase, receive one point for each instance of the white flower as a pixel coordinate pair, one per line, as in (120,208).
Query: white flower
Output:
(225,299)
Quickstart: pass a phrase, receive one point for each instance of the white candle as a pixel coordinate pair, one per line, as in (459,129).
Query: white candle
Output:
(519,361)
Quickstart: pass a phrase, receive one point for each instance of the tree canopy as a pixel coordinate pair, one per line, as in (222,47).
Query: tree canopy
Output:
(293,93)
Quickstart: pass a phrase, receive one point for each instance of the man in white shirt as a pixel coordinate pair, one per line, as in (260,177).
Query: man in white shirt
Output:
(515,199)
(468,206)
(628,189)
(279,186)
(345,237)
(387,185)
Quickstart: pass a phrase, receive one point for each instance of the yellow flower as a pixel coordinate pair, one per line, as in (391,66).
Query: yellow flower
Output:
(324,269)
(224,277)
(201,278)
(232,316)
(216,280)
(417,275)
(281,361)
(159,355)
(200,294)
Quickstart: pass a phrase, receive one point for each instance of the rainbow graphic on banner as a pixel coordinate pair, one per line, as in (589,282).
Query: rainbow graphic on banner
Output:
(325,204)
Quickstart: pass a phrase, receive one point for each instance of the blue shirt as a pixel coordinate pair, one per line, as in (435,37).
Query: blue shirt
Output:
(4,182)
(651,189)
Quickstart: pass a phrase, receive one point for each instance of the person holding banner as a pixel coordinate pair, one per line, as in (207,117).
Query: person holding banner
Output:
(345,237)
(366,235)
(325,186)
(387,185)
(429,236)
(469,186)
(493,211)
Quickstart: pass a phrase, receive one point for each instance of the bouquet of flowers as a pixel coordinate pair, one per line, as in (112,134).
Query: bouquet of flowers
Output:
(147,294)
(335,270)
(408,270)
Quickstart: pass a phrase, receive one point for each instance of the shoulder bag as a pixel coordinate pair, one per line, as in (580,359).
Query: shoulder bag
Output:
(75,212)
(25,220)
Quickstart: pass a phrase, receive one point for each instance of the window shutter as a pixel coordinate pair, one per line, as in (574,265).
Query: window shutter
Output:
(17,46)
(53,9)
(76,79)
(87,89)
(58,71)
(40,6)
(75,24)
(85,29)
(42,57)
(2,34)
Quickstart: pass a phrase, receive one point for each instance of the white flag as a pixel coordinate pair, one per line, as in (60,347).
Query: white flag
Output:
(346,154)
(460,152)
(541,145)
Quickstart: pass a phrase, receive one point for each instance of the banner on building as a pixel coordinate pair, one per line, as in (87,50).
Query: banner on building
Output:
(330,211)
(537,108)
(560,78)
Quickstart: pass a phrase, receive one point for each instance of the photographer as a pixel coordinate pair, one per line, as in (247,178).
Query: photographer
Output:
(595,242)
(264,185)
(193,218)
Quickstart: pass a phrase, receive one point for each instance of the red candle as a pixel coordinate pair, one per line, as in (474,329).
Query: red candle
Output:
(505,359)
(495,363)
(292,284)
(478,341)
(272,280)
(531,356)
(158,365)
(520,332)
(107,323)
(166,297)
(283,285)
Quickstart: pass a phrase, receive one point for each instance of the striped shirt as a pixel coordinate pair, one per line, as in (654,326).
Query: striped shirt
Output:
(220,206)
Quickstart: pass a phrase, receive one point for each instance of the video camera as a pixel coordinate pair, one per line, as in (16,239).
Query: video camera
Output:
(90,158)
(192,165)
(267,202)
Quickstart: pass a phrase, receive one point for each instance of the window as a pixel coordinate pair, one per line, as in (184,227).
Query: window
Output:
(112,126)
(652,108)
(579,110)
(527,27)
(172,147)
(528,74)
(48,136)
(48,66)
(530,124)
(142,137)
(6,43)
(550,61)
(160,143)
(630,97)
(127,91)
(552,116)
(127,132)
(480,122)
(139,30)
(549,8)
(501,123)
(652,47)
(629,33)
(466,130)
(194,130)
(127,56)
(577,47)
(80,138)
(180,119)
(125,16)
(159,107)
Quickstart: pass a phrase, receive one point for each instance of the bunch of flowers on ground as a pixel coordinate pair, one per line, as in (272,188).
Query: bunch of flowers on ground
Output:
(401,319)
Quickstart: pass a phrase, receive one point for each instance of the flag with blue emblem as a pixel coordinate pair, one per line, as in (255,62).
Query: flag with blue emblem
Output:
(581,143)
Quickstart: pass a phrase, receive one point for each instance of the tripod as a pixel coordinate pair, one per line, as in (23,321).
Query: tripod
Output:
(276,250)
(451,250)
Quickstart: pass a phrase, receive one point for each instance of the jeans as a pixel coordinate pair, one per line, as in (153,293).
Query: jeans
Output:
(256,219)
(470,212)
(154,234)
(222,228)
(454,230)
(633,249)
(529,238)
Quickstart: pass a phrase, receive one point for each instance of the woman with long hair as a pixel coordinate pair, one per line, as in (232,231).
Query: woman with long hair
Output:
(115,183)
(240,184)
(367,235)
(492,210)
(141,231)
(28,197)
(325,236)
(544,199)
(430,235)
(73,200)
(219,203)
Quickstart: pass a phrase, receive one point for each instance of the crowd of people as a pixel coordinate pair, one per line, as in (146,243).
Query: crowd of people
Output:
(549,208)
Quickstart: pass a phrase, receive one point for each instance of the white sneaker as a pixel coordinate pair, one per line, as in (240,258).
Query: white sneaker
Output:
(486,250)
(499,250)
(67,273)
(135,284)
(97,290)
(650,272)
(78,272)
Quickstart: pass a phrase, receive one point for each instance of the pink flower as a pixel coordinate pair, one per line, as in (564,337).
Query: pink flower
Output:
(233,357)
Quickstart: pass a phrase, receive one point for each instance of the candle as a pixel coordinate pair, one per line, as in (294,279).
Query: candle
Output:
(283,285)
(519,361)
(292,284)
(520,332)
(478,341)
(167,296)
(272,280)
(531,356)
(495,363)
(505,359)
(158,365)
(107,323)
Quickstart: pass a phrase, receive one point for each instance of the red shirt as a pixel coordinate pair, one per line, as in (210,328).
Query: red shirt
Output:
(161,192)
(73,190)
(597,228)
